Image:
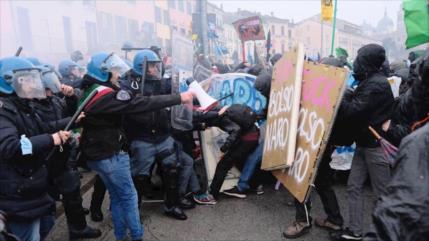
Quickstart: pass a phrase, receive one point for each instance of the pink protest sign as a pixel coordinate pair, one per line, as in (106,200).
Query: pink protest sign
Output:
(320,97)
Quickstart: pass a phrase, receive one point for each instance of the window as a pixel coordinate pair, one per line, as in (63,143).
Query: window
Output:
(91,36)
(158,15)
(273,30)
(148,33)
(121,28)
(168,47)
(181,5)
(189,7)
(24,28)
(289,34)
(105,24)
(166,18)
(67,33)
(283,30)
(133,29)
(171,4)
(89,3)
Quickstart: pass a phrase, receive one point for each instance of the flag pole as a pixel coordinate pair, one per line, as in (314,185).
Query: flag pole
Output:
(244,51)
(333,27)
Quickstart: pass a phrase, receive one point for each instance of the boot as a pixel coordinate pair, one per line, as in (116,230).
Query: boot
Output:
(96,215)
(139,185)
(186,204)
(147,187)
(84,233)
(175,212)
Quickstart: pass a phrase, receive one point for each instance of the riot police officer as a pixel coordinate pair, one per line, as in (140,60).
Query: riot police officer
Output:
(103,140)
(24,142)
(61,166)
(70,72)
(150,136)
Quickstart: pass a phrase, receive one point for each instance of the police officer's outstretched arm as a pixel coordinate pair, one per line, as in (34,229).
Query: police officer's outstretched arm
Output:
(106,69)
(112,104)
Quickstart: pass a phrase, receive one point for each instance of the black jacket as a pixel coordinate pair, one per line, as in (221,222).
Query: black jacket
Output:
(102,134)
(237,128)
(154,126)
(401,213)
(411,106)
(23,178)
(372,101)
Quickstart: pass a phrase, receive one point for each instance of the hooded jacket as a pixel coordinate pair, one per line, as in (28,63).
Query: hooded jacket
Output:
(401,213)
(372,102)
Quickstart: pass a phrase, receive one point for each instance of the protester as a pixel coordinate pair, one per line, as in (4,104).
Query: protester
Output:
(370,104)
(239,122)
(406,196)
(323,184)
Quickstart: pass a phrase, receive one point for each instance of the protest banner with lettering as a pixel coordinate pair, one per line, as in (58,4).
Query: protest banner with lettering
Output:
(321,94)
(283,111)
(250,29)
(241,85)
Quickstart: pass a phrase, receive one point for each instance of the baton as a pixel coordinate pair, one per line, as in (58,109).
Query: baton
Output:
(18,52)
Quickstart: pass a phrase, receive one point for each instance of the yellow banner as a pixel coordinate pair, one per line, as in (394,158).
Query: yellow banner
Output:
(327,10)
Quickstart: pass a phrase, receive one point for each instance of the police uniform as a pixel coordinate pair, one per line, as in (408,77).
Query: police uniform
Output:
(23,173)
(62,172)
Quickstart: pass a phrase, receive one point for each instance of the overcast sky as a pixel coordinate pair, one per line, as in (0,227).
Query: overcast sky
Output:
(354,11)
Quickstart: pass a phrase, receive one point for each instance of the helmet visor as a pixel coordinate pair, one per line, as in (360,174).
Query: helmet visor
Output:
(154,71)
(28,84)
(51,81)
(115,64)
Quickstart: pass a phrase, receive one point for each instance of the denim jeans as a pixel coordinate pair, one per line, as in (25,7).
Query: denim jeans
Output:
(253,161)
(47,222)
(188,180)
(25,231)
(144,153)
(116,175)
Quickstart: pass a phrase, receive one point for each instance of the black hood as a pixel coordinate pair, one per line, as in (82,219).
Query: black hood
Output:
(263,83)
(369,60)
(333,62)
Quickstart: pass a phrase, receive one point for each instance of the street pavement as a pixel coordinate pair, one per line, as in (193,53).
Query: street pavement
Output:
(256,218)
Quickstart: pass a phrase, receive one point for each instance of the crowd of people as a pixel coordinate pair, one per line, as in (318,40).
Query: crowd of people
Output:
(114,118)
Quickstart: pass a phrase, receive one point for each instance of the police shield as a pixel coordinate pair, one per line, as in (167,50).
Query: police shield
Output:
(181,115)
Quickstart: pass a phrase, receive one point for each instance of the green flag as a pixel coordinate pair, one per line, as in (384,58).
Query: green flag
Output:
(416,18)
(340,52)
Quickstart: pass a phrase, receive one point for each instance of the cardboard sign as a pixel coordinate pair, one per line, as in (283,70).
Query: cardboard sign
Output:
(283,111)
(321,93)
(250,29)
(201,73)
